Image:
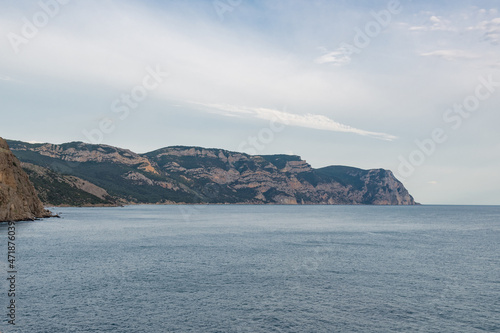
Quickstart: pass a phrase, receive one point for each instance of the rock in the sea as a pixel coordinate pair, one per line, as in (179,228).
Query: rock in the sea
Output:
(18,198)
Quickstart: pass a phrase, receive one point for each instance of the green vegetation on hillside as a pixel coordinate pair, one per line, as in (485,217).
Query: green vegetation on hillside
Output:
(52,191)
(200,175)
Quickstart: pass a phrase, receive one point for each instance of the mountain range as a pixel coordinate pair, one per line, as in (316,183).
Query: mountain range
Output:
(81,174)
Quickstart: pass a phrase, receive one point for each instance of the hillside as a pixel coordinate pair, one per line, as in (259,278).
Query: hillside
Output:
(56,189)
(201,175)
(18,198)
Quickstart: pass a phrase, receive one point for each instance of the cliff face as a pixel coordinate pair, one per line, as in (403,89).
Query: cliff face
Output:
(18,199)
(220,175)
(200,175)
(79,152)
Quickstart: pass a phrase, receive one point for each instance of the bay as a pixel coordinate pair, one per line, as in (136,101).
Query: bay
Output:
(237,268)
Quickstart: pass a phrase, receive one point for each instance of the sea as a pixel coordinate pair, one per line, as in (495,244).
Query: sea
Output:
(244,268)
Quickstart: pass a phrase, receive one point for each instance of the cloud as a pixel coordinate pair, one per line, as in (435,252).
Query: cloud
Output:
(490,30)
(484,21)
(438,23)
(5,78)
(434,23)
(418,28)
(313,121)
(451,55)
(337,58)
(207,59)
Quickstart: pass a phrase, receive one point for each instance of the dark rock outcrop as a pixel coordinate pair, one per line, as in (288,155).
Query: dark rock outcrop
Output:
(18,198)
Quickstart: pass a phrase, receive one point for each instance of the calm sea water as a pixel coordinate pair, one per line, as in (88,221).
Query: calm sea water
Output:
(257,269)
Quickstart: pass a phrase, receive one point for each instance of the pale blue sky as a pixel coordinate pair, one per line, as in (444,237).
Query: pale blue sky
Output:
(269,77)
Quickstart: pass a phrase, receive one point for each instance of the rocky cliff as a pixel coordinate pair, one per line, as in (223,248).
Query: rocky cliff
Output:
(219,175)
(18,198)
(201,175)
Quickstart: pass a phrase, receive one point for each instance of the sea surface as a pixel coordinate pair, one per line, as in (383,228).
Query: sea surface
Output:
(232,268)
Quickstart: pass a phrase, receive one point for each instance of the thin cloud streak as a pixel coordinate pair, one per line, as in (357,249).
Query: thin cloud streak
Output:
(451,55)
(308,120)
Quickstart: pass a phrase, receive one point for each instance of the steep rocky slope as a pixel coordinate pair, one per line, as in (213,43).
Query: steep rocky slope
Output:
(56,189)
(220,175)
(200,175)
(18,198)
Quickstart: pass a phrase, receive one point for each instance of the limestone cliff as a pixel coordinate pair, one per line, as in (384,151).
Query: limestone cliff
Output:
(18,198)
(205,175)
(218,175)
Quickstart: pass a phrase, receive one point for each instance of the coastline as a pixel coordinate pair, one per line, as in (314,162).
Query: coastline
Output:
(222,204)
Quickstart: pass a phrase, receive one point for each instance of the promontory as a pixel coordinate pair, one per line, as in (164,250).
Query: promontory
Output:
(82,174)
(18,198)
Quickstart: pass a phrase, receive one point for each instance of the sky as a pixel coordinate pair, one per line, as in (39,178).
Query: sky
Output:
(410,86)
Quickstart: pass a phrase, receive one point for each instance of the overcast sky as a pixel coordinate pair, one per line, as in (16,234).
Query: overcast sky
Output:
(337,82)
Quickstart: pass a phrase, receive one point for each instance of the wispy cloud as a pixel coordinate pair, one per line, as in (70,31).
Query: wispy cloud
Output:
(309,120)
(451,55)
(337,58)
(487,22)
(5,78)
(490,30)
(435,23)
